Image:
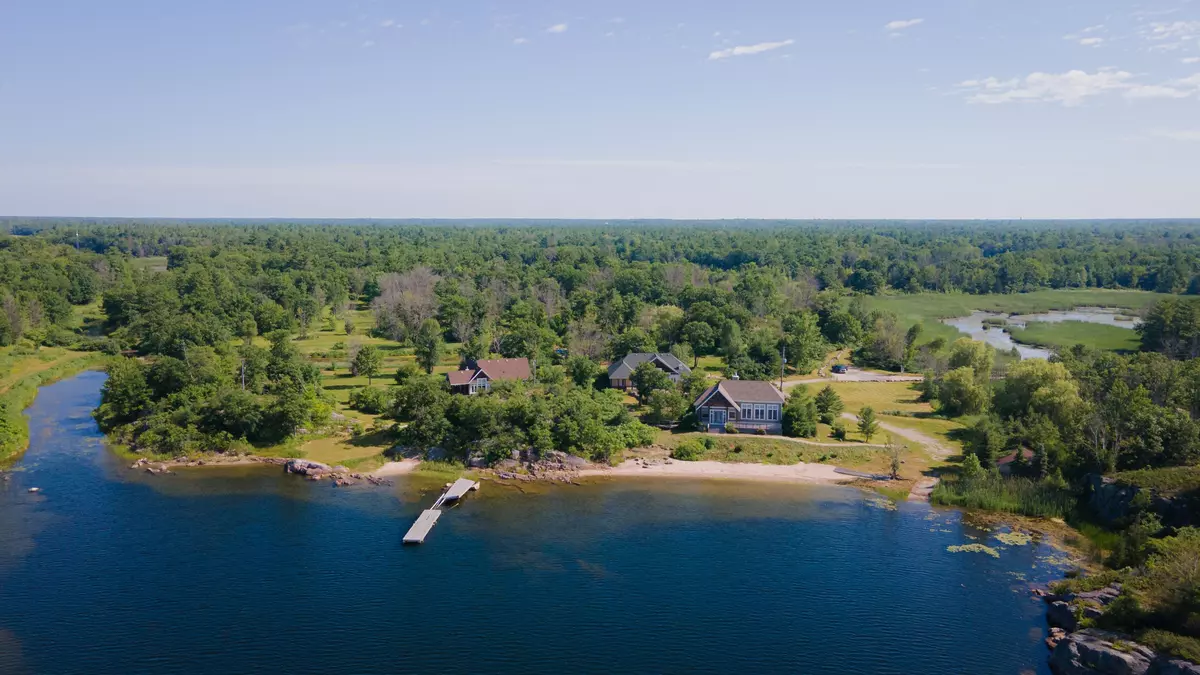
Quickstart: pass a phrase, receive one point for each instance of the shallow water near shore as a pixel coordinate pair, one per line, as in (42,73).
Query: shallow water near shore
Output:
(244,569)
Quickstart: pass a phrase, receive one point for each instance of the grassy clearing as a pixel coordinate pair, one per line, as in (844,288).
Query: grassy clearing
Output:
(882,396)
(350,452)
(750,449)
(1171,480)
(1064,334)
(24,375)
(1008,495)
(928,308)
(322,348)
(153,263)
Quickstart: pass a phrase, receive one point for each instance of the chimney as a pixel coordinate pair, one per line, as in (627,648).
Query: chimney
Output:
(735,375)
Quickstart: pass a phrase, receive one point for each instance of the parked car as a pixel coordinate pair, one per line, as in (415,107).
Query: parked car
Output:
(840,369)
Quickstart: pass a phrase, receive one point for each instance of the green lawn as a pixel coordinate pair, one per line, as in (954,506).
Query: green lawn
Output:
(1060,335)
(928,308)
(154,263)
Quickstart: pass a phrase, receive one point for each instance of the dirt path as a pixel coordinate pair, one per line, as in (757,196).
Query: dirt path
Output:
(923,488)
(936,448)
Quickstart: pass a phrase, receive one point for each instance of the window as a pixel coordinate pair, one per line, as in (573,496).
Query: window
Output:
(760,411)
(773,413)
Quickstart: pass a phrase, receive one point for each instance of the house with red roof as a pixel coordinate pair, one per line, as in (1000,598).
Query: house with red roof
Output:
(486,371)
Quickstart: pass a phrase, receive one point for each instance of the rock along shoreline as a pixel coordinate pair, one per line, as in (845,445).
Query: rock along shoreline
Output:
(1093,651)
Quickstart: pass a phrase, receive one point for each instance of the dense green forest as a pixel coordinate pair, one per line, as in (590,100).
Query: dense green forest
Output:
(228,335)
(215,309)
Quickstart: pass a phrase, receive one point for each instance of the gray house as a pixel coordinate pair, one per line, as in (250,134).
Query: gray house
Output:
(750,406)
(620,372)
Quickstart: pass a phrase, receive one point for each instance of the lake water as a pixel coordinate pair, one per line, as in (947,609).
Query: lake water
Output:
(974,326)
(109,571)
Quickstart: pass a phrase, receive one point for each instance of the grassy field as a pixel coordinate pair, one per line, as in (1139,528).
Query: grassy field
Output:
(363,453)
(750,449)
(321,348)
(154,263)
(1060,335)
(928,308)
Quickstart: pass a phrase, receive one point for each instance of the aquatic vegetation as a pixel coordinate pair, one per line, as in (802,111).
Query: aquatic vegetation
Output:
(1014,538)
(881,503)
(974,548)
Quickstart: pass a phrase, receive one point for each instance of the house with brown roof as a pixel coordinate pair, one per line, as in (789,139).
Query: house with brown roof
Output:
(621,372)
(485,372)
(749,405)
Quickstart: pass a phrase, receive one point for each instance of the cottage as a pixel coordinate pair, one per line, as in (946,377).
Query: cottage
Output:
(750,406)
(486,371)
(620,372)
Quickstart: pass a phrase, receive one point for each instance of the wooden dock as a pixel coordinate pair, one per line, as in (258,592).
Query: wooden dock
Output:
(420,529)
(425,522)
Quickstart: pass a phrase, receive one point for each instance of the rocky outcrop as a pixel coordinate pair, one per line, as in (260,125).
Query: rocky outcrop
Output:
(1097,652)
(306,467)
(1174,667)
(1112,501)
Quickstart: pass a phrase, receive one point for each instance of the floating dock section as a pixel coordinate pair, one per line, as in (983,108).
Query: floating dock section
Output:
(420,529)
(425,522)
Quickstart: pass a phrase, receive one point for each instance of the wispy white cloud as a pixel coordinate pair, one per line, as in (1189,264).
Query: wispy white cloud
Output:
(557,28)
(1189,135)
(901,24)
(748,50)
(521,41)
(387,23)
(1190,59)
(1074,87)
(368,44)
(1172,30)
(1093,29)
(1092,41)
(611,163)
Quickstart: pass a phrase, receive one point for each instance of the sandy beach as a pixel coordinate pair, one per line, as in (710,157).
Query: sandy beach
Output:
(794,473)
(401,468)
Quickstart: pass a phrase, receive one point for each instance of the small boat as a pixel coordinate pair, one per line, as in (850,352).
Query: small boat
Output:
(35,489)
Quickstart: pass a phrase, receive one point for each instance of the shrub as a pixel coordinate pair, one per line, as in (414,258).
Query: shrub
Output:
(371,400)
(760,431)
(839,430)
(731,428)
(688,451)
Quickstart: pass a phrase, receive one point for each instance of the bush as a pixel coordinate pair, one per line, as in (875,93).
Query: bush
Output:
(731,428)
(370,400)
(839,430)
(760,432)
(688,451)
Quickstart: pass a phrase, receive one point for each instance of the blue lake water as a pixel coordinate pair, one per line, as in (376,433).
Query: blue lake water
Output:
(248,570)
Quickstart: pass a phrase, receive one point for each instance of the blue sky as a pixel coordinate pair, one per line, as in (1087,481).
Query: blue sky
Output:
(664,108)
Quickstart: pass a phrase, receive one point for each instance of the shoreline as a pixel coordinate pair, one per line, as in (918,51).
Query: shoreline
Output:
(770,473)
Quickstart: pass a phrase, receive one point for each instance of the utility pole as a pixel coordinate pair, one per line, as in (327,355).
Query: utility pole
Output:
(782,363)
